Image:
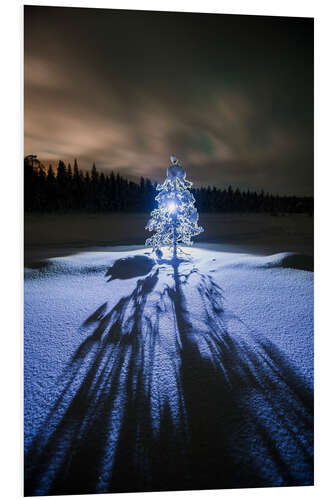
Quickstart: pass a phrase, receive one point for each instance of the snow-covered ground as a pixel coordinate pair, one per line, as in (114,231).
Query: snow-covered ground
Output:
(173,375)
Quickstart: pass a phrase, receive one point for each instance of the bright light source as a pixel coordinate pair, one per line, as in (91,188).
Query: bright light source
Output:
(172,207)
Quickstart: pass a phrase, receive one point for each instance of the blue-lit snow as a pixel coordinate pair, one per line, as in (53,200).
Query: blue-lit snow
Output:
(194,375)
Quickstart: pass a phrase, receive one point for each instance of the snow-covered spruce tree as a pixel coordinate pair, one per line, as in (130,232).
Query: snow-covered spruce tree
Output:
(175,220)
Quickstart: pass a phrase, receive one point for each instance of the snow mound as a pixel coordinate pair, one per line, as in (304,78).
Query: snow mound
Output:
(130,267)
(79,264)
(66,265)
(296,261)
(134,263)
(289,260)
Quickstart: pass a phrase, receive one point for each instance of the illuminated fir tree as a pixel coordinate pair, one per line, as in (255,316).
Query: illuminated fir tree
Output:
(175,220)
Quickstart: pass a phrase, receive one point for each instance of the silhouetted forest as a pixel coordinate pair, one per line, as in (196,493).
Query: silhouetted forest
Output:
(70,189)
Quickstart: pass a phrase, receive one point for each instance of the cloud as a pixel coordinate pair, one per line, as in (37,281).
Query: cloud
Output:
(128,90)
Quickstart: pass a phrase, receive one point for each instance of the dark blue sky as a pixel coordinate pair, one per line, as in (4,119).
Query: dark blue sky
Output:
(231,96)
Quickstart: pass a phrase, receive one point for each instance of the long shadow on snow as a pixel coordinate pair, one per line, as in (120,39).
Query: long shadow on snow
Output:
(161,396)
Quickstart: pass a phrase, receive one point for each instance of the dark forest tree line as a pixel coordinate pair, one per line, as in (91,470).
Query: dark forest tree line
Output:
(68,188)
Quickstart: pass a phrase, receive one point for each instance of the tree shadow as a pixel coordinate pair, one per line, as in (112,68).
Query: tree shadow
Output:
(130,267)
(164,395)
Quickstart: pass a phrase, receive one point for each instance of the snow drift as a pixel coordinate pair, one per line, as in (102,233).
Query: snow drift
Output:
(187,374)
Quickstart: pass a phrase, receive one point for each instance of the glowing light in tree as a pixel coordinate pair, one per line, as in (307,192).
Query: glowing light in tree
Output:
(175,220)
(172,207)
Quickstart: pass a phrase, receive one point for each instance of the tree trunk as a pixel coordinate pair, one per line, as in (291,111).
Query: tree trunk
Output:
(174,217)
(174,240)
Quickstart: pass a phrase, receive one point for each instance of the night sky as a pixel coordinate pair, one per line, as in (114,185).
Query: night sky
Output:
(231,96)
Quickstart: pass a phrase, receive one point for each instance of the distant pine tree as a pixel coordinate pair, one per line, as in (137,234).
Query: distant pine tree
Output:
(76,171)
(69,173)
(94,174)
(61,174)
